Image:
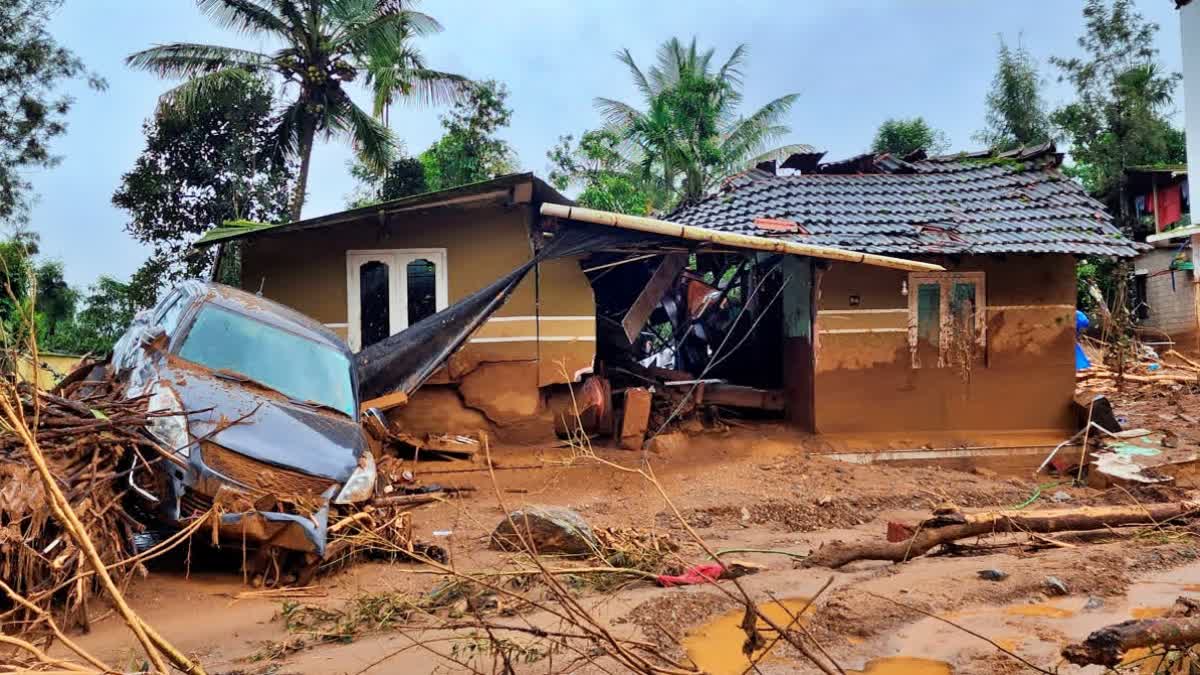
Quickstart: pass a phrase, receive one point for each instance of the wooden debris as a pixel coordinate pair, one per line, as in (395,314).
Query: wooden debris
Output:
(954,525)
(1105,647)
(88,438)
(636,418)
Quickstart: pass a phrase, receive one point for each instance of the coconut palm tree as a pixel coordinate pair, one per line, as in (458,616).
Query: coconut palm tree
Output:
(690,135)
(324,46)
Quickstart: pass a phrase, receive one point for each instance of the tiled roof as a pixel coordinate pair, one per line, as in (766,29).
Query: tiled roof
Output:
(961,204)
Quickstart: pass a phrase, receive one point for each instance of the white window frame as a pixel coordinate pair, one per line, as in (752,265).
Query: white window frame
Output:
(397,260)
(945,282)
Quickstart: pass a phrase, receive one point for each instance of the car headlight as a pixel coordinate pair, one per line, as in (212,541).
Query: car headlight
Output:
(170,430)
(360,486)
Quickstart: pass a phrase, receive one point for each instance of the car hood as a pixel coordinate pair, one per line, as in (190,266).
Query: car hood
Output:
(271,429)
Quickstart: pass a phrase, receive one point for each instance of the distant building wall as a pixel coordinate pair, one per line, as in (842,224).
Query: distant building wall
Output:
(1171,308)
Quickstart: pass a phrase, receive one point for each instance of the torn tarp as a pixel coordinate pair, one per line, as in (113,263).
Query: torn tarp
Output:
(402,362)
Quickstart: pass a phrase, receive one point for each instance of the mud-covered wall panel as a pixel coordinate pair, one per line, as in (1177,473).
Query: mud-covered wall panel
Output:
(865,380)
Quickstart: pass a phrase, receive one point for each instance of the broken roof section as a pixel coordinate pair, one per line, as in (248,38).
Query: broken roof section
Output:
(977,203)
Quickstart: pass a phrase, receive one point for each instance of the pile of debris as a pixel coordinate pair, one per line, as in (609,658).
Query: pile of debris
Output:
(91,436)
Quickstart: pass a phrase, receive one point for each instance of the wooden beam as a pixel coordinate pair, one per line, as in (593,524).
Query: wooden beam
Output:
(743,241)
(738,396)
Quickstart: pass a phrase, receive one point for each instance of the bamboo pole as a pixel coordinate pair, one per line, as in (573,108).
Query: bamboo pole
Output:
(745,241)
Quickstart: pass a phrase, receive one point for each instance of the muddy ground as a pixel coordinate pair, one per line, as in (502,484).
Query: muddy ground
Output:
(746,488)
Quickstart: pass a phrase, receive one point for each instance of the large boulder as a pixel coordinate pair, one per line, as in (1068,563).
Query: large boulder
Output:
(550,529)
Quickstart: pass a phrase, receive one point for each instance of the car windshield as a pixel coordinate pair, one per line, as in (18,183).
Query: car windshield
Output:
(296,367)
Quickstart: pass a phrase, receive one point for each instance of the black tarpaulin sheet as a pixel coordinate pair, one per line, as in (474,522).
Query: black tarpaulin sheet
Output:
(402,362)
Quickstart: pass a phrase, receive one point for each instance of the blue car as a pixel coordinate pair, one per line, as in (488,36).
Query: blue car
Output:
(260,405)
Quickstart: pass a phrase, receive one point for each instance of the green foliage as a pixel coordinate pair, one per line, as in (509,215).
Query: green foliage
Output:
(904,136)
(325,46)
(62,320)
(1100,271)
(689,133)
(214,161)
(404,178)
(469,151)
(1016,112)
(1118,118)
(56,300)
(108,308)
(595,164)
(32,66)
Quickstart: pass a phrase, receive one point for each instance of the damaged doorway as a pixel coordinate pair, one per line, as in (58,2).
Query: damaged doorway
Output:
(727,329)
(388,290)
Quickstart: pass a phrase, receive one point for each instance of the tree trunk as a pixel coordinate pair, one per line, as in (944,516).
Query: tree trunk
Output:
(1106,646)
(932,533)
(308,131)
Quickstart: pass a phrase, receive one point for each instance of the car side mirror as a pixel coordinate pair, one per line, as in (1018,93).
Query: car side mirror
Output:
(151,335)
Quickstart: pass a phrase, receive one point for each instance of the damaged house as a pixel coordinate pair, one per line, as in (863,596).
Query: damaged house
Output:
(873,294)
(986,344)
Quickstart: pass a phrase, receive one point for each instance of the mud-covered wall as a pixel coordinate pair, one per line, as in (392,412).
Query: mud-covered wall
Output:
(307,270)
(865,380)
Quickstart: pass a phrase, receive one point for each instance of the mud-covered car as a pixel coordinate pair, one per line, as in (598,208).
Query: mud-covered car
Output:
(268,427)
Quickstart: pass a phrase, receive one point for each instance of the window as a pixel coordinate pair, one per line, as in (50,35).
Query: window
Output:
(422,289)
(947,321)
(374,296)
(389,290)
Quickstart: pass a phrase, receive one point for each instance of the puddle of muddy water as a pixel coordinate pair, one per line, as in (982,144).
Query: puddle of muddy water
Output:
(716,647)
(1040,609)
(904,665)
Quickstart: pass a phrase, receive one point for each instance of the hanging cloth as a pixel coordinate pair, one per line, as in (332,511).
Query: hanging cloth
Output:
(1168,207)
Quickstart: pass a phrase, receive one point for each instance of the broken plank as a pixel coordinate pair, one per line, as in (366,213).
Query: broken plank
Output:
(738,396)
(386,402)
(652,293)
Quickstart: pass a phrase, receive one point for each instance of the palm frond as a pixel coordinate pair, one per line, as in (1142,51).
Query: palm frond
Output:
(372,140)
(249,16)
(731,70)
(639,78)
(287,129)
(185,59)
(751,135)
(191,94)
(620,116)
(364,28)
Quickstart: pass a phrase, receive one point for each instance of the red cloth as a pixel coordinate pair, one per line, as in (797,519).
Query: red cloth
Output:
(1169,207)
(699,574)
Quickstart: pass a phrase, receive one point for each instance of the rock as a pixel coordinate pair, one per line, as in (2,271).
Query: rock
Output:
(1060,497)
(667,443)
(993,575)
(1093,603)
(745,515)
(1056,586)
(825,500)
(550,529)
(984,472)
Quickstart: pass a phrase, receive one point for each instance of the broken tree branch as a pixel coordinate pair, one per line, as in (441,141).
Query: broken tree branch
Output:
(1106,646)
(933,533)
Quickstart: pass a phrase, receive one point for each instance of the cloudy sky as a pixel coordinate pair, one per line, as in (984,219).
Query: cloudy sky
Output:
(854,62)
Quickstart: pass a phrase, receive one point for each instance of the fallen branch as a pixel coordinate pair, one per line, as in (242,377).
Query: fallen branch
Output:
(945,529)
(1106,646)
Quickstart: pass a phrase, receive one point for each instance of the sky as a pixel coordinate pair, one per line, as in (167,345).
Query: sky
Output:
(854,63)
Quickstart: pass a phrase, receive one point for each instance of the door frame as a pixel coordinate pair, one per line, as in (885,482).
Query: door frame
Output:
(397,260)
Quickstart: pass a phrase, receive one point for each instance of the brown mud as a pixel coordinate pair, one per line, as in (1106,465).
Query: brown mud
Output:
(749,488)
